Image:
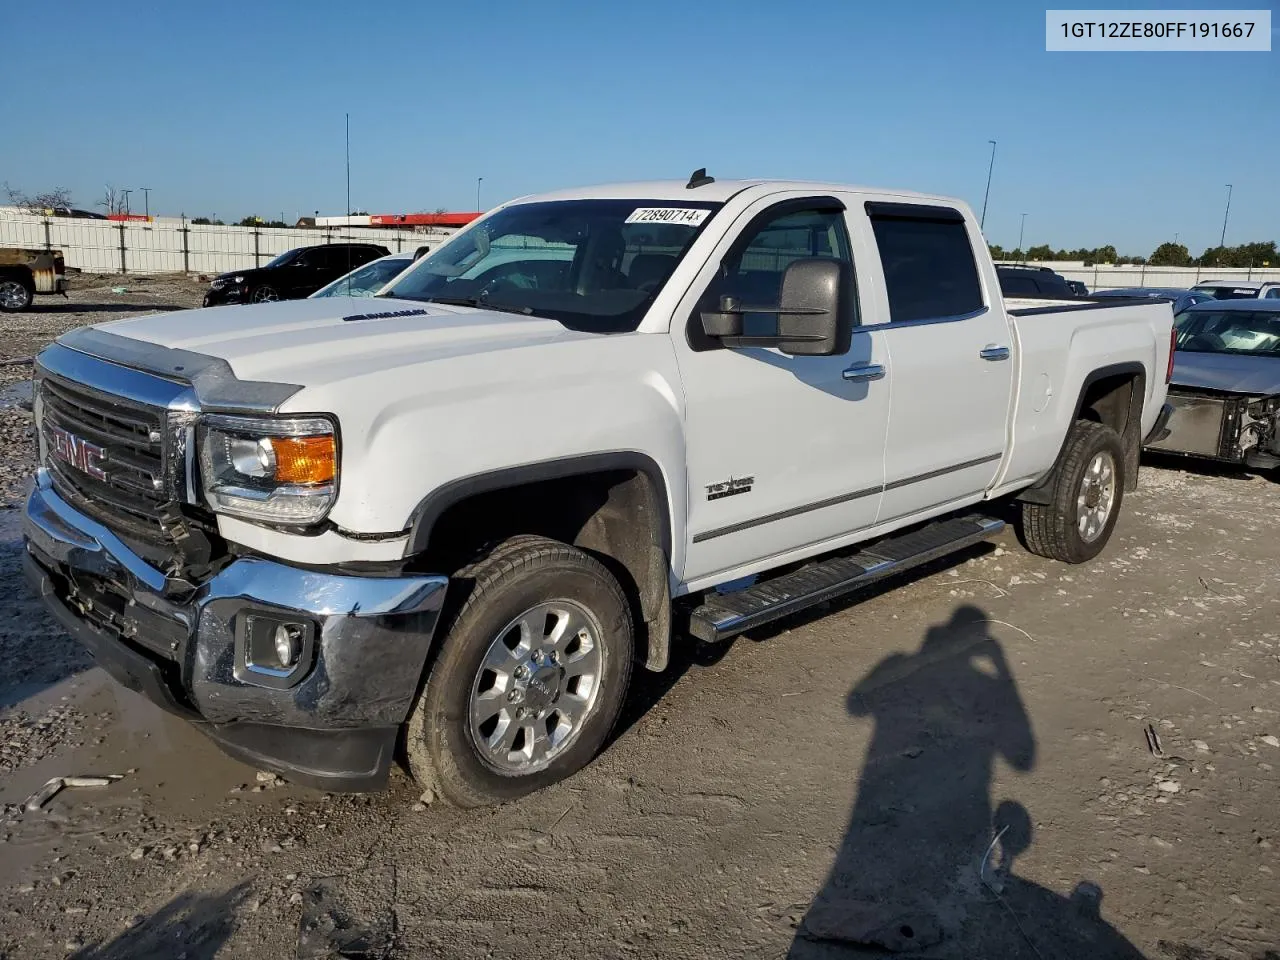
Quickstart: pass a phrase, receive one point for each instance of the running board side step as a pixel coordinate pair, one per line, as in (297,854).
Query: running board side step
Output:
(723,615)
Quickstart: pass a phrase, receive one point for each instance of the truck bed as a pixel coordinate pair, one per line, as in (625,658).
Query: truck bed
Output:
(1074,342)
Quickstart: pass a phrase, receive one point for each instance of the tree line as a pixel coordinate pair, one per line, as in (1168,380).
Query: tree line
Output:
(1168,254)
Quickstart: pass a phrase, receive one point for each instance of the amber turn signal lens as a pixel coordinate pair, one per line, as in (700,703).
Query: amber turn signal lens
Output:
(306,460)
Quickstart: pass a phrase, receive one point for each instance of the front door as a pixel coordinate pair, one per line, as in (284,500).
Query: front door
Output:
(784,452)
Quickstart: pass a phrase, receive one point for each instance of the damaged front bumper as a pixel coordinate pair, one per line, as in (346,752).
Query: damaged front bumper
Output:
(330,721)
(1231,428)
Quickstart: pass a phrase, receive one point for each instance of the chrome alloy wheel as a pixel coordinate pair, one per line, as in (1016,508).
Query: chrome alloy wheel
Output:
(13,295)
(536,687)
(1097,496)
(265,295)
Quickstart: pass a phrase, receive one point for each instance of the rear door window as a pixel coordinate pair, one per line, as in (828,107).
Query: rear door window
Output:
(928,263)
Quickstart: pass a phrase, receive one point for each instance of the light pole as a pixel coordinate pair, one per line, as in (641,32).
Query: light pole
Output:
(1021,230)
(1223,241)
(146,201)
(990,167)
(479,180)
(125,195)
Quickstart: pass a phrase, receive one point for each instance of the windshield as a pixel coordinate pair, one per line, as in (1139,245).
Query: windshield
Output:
(1229,331)
(366,281)
(283,258)
(593,265)
(1230,293)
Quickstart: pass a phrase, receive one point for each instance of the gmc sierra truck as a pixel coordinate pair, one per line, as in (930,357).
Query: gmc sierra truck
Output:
(443,524)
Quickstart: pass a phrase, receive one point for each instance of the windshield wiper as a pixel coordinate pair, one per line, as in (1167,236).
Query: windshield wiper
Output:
(479,304)
(476,302)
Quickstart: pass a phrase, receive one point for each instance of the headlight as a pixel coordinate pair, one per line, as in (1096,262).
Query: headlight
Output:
(279,470)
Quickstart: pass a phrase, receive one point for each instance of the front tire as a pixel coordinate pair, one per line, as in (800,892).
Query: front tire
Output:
(15,295)
(529,679)
(264,294)
(1086,492)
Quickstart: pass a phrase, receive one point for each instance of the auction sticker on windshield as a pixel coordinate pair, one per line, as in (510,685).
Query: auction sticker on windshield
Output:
(686,216)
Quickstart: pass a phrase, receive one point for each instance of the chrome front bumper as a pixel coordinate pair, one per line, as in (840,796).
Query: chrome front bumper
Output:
(332,723)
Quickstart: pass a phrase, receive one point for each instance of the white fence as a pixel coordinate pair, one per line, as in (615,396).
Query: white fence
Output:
(176,246)
(1111,277)
(104,246)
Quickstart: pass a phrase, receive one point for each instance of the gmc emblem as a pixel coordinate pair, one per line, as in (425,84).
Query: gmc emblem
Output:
(81,454)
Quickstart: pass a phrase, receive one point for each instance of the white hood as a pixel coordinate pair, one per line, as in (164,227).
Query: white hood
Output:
(320,341)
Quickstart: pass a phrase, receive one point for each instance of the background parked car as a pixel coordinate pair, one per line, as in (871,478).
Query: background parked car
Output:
(1181,298)
(1078,288)
(367,280)
(293,275)
(1246,290)
(25,272)
(1035,282)
(1225,391)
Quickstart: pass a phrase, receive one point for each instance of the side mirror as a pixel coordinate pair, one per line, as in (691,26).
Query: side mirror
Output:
(816,311)
(817,308)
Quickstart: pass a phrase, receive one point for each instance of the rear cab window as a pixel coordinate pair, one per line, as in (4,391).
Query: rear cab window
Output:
(929,269)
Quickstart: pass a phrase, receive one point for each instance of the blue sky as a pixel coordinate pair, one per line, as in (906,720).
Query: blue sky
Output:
(233,109)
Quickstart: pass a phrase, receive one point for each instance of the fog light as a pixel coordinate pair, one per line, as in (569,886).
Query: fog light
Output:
(288,644)
(272,651)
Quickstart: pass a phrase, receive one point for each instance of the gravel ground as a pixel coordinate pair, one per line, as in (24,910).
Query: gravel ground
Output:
(837,779)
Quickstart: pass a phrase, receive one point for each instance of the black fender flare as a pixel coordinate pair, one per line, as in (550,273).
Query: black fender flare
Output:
(655,602)
(1039,492)
(431,507)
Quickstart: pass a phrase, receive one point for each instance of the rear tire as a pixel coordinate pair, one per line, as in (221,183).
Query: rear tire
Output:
(529,679)
(1086,492)
(16,294)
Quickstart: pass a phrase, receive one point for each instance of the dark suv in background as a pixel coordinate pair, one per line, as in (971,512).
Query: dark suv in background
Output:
(292,275)
(1033,282)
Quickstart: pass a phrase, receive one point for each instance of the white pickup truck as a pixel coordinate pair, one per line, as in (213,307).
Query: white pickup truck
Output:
(453,517)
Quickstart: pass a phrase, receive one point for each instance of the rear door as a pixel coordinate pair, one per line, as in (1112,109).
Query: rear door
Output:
(950,353)
(341,259)
(302,276)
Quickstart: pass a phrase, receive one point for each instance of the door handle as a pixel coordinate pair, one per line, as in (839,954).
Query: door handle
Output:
(860,373)
(994,352)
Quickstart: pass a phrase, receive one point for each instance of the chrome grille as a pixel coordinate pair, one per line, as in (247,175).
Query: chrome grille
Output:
(131,491)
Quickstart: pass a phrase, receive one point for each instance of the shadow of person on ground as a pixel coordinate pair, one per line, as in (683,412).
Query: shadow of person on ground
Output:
(917,872)
(191,925)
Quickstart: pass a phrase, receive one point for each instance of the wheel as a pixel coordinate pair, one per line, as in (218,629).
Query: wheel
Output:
(1086,491)
(15,294)
(529,678)
(264,294)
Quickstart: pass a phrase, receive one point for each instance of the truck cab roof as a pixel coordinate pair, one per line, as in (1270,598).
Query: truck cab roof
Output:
(717,191)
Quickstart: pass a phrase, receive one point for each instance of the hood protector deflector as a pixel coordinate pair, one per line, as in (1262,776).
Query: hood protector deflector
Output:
(216,386)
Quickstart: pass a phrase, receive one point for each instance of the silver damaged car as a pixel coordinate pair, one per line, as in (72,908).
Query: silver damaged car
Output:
(1225,391)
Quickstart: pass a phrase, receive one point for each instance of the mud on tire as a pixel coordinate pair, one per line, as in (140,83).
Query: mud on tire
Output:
(507,651)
